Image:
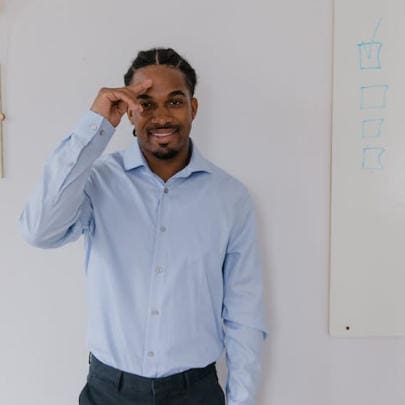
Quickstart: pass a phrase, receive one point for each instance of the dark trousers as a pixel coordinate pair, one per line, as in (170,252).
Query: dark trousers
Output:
(109,386)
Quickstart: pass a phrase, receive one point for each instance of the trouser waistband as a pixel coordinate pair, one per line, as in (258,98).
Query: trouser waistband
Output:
(123,380)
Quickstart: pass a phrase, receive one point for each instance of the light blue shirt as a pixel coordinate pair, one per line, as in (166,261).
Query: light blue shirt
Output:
(173,270)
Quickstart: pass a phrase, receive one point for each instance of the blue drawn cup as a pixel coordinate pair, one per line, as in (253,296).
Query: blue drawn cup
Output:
(370,55)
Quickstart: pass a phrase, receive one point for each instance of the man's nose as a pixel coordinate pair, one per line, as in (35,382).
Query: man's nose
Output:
(161,115)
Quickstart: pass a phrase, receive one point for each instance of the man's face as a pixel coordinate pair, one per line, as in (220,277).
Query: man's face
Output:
(164,126)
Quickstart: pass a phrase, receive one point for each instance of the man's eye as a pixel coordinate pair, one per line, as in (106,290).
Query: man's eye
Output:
(176,101)
(146,105)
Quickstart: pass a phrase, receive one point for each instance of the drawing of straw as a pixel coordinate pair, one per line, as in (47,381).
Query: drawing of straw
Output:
(370,51)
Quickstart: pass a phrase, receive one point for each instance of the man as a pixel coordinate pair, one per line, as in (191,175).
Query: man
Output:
(173,271)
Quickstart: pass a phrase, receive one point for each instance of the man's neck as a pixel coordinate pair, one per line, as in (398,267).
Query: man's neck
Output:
(166,168)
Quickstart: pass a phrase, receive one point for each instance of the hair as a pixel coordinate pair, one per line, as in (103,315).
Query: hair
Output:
(162,56)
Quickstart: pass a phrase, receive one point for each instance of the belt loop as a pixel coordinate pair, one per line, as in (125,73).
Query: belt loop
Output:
(120,381)
(186,380)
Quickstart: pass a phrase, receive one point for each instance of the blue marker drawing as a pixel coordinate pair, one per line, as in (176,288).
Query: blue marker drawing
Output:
(372,158)
(372,128)
(373,96)
(370,52)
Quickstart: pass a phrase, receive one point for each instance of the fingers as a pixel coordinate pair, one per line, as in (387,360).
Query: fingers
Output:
(140,87)
(122,107)
(121,97)
(137,89)
(114,103)
(128,95)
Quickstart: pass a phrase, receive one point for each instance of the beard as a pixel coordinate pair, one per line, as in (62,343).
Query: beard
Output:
(164,150)
(166,153)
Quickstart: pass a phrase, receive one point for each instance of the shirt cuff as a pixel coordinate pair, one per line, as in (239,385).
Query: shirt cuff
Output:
(91,124)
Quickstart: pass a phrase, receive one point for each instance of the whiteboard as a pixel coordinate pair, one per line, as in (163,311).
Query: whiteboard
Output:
(367,262)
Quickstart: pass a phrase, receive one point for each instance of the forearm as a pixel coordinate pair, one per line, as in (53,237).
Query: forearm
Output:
(244,311)
(58,208)
(244,349)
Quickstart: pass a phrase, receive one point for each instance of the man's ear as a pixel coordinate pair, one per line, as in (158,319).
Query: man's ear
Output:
(194,107)
(130,115)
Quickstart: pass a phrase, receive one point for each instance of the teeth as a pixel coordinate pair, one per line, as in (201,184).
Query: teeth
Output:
(162,134)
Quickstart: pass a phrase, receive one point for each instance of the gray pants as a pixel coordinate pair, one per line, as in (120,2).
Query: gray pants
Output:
(109,386)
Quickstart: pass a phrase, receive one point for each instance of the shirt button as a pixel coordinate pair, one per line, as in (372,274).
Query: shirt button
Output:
(159,270)
(166,190)
(151,354)
(155,312)
(163,228)
(102,132)
(93,127)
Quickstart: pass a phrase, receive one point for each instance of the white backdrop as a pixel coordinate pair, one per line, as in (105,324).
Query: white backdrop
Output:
(368,170)
(265,108)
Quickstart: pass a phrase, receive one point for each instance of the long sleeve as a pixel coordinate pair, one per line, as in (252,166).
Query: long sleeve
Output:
(244,312)
(59,210)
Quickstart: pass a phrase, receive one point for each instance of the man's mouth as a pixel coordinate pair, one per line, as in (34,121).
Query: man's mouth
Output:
(163,132)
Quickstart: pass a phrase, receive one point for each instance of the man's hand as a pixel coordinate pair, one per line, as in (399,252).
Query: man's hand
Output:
(112,104)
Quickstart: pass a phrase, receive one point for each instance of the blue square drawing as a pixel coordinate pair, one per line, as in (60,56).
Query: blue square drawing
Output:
(372,128)
(372,158)
(373,97)
(370,55)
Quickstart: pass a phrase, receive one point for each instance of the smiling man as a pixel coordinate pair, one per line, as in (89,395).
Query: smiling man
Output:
(164,125)
(173,273)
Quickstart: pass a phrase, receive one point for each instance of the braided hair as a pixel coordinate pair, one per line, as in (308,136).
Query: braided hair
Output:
(162,56)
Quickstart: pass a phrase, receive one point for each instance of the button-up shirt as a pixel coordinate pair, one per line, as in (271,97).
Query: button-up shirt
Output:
(173,273)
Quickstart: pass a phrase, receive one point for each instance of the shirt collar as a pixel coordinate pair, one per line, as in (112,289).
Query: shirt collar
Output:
(133,158)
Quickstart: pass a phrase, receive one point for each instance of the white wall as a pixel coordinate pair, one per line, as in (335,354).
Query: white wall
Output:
(265,94)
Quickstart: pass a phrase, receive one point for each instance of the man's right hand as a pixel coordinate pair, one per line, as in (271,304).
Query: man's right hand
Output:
(112,104)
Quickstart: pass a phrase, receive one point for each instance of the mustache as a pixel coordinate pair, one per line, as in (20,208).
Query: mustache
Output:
(169,126)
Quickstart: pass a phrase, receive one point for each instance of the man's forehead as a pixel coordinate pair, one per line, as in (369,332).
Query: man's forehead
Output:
(165,79)
(149,95)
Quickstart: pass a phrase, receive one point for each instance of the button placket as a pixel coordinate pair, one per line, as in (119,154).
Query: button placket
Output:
(157,284)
